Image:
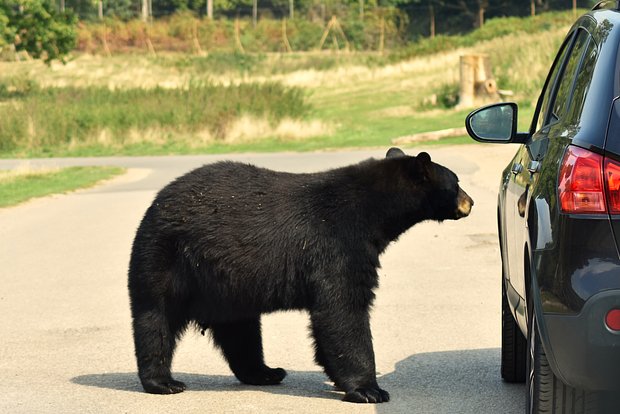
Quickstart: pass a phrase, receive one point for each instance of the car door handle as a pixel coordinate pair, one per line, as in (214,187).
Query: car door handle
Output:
(533,167)
(516,168)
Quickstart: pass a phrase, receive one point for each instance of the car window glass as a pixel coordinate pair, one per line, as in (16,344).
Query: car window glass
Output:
(582,83)
(550,82)
(565,87)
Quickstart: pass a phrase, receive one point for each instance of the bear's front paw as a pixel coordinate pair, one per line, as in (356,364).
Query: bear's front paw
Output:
(367,395)
(265,376)
(163,386)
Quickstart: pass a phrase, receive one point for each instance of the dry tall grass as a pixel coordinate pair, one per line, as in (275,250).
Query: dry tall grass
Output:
(520,61)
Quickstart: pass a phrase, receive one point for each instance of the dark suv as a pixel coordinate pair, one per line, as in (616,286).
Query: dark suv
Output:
(559,226)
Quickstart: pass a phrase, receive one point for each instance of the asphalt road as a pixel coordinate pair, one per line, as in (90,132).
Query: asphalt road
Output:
(65,333)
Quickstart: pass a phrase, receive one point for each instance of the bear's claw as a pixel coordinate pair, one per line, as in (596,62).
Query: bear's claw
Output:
(367,395)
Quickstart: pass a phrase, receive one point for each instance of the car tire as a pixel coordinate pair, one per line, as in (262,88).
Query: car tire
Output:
(546,393)
(514,345)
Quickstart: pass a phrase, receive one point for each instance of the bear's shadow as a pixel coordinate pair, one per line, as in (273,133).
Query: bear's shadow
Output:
(297,383)
(434,382)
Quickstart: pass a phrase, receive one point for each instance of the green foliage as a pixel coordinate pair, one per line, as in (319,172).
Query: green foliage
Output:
(122,9)
(37,28)
(7,34)
(448,95)
(492,29)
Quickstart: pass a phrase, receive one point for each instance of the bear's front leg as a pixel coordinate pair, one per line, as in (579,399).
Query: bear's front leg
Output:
(344,348)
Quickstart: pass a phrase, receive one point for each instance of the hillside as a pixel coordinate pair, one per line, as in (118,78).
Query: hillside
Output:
(351,99)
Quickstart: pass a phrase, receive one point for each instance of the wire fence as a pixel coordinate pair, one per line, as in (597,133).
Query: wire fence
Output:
(382,29)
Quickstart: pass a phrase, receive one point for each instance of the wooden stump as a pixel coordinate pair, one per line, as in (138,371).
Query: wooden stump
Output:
(478,87)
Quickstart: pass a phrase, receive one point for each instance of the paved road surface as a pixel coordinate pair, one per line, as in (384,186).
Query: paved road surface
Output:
(65,336)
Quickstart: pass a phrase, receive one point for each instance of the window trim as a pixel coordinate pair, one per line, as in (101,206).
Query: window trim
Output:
(569,42)
(588,40)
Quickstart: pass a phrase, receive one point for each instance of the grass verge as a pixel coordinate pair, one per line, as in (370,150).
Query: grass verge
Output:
(21,185)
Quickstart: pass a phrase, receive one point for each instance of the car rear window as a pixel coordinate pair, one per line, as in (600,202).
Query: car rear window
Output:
(565,89)
(582,84)
(542,114)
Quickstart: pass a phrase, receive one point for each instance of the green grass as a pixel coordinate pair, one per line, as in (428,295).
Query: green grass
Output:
(18,187)
(47,120)
(97,106)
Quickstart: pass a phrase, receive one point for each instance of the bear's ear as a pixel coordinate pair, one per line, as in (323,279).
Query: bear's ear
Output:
(424,157)
(422,165)
(395,153)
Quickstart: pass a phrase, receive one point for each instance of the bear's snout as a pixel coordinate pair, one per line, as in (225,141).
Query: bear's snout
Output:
(465,204)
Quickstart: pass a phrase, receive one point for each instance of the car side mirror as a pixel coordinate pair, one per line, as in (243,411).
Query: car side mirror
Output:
(495,123)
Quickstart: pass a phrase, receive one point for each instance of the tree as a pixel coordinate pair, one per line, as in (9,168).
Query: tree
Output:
(36,27)
(6,32)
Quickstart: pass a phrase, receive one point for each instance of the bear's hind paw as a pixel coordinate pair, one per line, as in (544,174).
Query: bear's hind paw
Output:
(167,386)
(266,376)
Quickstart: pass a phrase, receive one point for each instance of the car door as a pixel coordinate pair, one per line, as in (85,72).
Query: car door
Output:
(531,158)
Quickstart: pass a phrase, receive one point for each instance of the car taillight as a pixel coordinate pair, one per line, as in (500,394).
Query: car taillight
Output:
(581,182)
(612,178)
(589,183)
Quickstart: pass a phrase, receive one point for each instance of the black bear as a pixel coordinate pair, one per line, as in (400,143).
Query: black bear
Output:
(228,242)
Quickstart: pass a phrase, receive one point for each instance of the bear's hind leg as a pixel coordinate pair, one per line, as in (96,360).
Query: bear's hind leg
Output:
(155,335)
(242,346)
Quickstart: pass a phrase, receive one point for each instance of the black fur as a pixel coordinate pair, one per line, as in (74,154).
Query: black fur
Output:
(228,242)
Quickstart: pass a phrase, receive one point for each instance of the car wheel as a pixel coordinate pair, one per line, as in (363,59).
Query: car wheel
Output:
(514,345)
(547,393)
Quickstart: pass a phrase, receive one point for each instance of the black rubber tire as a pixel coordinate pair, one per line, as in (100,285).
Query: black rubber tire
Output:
(548,394)
(514,345)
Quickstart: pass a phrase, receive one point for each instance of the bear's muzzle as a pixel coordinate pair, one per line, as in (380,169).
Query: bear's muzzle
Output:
(465,204)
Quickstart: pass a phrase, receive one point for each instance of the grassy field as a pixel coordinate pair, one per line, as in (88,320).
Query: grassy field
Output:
(43,121)
(179,104)
(18,186)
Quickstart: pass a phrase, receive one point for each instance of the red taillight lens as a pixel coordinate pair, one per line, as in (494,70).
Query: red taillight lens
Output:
(581,182)
(612,177)
(612,319)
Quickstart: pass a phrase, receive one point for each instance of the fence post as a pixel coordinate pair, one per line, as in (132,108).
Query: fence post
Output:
(382,35)
(238,36)
(287,45)
(149,44)
(104,40)
(196,42)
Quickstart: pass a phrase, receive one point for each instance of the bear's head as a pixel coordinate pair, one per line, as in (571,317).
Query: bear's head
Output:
(436,186)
